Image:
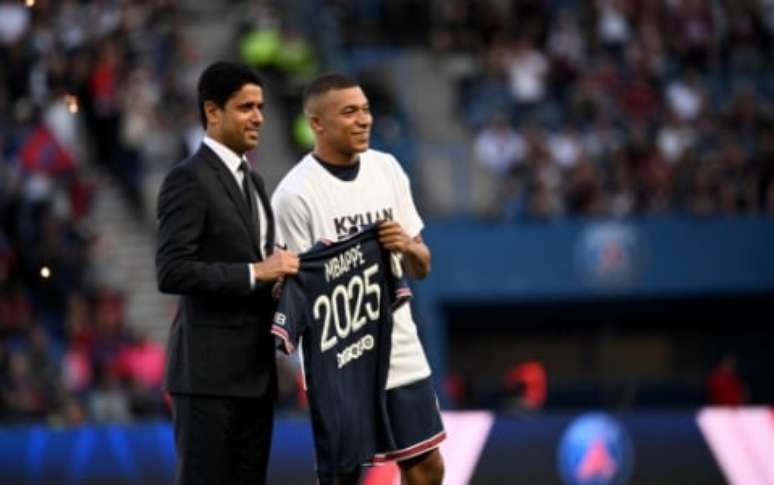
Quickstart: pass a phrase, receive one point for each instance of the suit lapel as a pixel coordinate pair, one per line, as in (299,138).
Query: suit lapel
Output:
(234,193)
(269,222)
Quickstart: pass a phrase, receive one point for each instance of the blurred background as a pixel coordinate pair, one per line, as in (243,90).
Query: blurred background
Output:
(596,179)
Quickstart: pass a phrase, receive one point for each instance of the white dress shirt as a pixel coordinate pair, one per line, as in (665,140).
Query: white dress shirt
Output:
(232,161)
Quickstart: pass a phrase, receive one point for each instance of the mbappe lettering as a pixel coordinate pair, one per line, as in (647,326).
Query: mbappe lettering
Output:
(344,263)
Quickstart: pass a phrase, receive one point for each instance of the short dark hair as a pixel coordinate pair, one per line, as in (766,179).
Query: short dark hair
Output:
(328,82)
(220,81)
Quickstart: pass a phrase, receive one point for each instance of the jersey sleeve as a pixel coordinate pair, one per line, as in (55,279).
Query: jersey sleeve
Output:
(407,216)
(292,218)
(290,319)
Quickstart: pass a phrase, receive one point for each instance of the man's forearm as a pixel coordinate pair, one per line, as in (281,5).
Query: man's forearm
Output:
(416,259)
(197,277)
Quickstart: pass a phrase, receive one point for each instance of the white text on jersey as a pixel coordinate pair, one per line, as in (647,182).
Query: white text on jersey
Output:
(352,297)
(344,263)
(355,350)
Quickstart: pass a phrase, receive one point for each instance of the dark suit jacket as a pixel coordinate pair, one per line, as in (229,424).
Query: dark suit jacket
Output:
(219,342)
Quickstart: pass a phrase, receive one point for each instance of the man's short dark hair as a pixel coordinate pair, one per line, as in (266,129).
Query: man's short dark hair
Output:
(328,82)
(220,81)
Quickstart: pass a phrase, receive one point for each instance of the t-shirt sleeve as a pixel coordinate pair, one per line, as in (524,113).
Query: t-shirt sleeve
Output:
(408,216)
(293,220)
(290,319)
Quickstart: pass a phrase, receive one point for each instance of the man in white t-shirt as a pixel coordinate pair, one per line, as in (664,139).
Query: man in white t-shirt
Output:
(334,191)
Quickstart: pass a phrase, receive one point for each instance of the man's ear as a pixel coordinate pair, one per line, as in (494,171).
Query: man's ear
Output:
(213,112)
(315,123)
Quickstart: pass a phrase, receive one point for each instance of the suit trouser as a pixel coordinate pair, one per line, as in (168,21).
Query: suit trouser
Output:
(222,440)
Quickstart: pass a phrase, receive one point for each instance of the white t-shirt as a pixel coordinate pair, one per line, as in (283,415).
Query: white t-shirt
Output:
(311,204)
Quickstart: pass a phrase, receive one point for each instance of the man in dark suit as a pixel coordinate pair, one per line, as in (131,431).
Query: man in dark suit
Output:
(216,250)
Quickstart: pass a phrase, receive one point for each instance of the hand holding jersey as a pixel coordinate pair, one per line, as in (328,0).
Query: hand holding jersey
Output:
(273,268)
(415,254)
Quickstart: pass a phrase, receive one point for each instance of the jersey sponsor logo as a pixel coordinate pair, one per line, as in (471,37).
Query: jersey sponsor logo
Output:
(346,225)
(355,351)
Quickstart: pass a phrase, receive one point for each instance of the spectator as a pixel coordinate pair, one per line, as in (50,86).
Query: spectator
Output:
(527,70)
(108,402)
(141,362)
(499,147)
(725,386)
(613,28)
(23,396)
(585,196)
(525,386)
(695,32)
(685,97)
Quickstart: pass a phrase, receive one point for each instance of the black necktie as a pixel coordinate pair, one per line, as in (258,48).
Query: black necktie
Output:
(249,191)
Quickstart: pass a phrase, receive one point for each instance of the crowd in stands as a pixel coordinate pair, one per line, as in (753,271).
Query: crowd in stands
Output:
(82,85)
(289,54)
(606,107)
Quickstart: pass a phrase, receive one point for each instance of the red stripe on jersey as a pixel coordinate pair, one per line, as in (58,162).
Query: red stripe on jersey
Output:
(283,334)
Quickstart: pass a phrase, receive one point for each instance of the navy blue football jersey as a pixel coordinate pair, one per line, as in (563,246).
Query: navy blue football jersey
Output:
(340,306)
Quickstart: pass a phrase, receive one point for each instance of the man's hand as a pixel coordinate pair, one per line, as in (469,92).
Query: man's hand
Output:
(416,255)
(279,264)
(393,238)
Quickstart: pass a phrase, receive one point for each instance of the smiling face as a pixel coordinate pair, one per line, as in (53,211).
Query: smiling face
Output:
(238,123)
(341,120)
